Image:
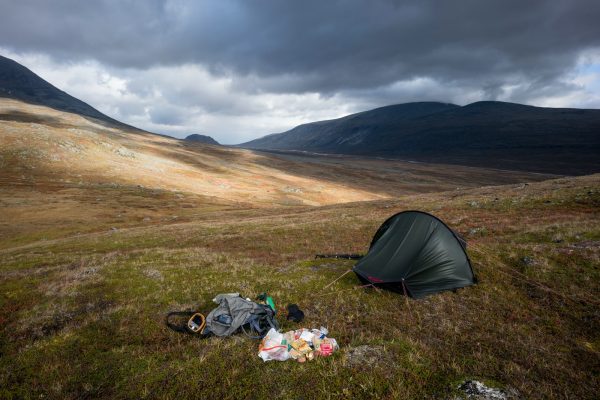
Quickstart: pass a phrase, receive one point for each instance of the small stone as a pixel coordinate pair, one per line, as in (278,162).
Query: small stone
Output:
(153,274)
(557,238)
(527,260)
(289,189)
(123,152)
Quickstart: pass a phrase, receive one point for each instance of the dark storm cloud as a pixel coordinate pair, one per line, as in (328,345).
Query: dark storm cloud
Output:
(321,46)
(237,70)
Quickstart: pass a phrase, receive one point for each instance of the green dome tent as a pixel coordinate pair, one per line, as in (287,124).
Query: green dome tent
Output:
(416,253)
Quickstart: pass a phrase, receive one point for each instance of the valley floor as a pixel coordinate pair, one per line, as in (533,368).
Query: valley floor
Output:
(89,270)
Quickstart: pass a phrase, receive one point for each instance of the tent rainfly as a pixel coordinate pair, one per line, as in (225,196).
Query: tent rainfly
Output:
(415,253)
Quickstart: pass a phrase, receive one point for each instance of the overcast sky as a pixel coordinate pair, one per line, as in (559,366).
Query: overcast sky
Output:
(237,70)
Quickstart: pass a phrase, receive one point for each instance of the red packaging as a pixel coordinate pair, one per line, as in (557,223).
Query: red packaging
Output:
(326,349)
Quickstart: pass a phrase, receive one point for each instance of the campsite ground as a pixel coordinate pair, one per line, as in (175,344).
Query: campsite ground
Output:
(91,262)
(82,314)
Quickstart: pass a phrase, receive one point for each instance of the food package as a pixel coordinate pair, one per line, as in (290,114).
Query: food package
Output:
(326,349)
(317,343)
(295,354)
(301,345)
(296,344)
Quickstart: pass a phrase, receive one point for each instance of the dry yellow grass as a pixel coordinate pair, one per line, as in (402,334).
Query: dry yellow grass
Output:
(44,146)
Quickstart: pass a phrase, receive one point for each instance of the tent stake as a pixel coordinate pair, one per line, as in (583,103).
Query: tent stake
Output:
(406,299)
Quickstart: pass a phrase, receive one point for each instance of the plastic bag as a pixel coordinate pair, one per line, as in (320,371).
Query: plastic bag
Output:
(307,336)
(273,347)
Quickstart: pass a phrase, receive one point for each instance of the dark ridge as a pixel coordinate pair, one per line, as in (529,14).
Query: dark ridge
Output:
(486,133)
(19,83)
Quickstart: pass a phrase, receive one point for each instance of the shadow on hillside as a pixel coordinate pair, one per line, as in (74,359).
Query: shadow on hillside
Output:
(384,177)
(390,176)
(23,117)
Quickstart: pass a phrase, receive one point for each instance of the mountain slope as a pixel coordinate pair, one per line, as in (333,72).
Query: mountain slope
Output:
(41,144)
(493,134)
(19,83)
(342,135)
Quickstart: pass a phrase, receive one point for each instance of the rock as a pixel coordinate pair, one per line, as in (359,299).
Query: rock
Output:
(123,152)
(476,231)
(85,273)
(153,274)
(586,245)
(527,260)
(478,391)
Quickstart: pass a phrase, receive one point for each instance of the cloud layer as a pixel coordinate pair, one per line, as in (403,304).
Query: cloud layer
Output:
(236,70)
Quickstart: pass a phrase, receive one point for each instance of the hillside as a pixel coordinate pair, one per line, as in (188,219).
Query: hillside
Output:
(491,134)
(39,144)
(83,303)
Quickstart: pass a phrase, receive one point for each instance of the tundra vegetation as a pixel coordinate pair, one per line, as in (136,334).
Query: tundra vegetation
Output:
(102,232)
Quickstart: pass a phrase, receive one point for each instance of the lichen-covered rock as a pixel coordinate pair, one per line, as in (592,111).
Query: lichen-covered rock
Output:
(476,390)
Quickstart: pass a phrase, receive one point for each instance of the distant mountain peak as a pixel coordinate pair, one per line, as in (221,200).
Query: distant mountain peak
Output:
(201,139)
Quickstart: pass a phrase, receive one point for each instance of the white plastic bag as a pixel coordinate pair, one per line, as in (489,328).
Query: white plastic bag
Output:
(307,336)
(271,347)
